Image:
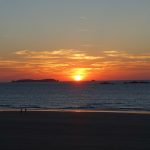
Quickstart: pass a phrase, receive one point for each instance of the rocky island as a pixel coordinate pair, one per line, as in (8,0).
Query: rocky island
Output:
(33,80)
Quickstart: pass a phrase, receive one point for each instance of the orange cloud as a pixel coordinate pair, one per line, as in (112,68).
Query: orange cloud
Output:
(62,53)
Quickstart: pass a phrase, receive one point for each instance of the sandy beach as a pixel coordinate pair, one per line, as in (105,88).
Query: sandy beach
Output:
(74,130)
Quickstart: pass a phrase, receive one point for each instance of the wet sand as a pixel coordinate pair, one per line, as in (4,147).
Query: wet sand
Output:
(74,131)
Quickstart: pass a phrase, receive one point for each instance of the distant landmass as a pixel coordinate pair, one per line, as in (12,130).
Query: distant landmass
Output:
(136,82)
(125,82)
(32,80)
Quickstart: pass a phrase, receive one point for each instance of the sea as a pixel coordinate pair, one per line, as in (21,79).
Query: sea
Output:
(93,95)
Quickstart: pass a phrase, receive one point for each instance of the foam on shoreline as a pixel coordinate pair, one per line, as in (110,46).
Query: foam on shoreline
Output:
(76,110)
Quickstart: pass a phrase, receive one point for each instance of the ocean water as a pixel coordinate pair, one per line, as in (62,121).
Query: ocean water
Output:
(76,95)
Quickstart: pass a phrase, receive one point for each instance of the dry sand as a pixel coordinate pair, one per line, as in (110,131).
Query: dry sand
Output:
(74,131)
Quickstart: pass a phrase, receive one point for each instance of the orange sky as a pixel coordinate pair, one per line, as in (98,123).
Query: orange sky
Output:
(64,64)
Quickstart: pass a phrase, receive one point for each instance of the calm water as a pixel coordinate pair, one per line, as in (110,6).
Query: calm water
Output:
(88,95)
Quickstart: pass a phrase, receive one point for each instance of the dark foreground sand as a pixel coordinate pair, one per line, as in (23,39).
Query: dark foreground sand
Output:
(74,131)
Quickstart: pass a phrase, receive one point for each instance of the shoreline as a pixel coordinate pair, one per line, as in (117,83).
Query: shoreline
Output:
(76,110)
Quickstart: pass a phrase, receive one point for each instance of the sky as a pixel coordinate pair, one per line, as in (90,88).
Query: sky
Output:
(61,39)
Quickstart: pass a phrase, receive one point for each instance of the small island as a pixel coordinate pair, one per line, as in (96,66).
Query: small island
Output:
(33,80)
(136,82)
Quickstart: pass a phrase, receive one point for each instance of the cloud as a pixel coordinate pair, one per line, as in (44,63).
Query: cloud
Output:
(83,18)
(140,57)
(56,54)
(10,64)
(69,61)
(115,53)
(123,54)
(76,58)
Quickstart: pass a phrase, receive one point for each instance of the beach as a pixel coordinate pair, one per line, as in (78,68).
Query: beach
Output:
(45,130)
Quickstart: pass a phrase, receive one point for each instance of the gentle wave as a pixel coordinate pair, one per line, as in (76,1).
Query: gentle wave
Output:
(67,95)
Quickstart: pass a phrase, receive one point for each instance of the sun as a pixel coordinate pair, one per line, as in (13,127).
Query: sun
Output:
(78,78)
(78,74)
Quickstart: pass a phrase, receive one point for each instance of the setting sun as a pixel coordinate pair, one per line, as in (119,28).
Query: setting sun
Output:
(79,74)
(77,77)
